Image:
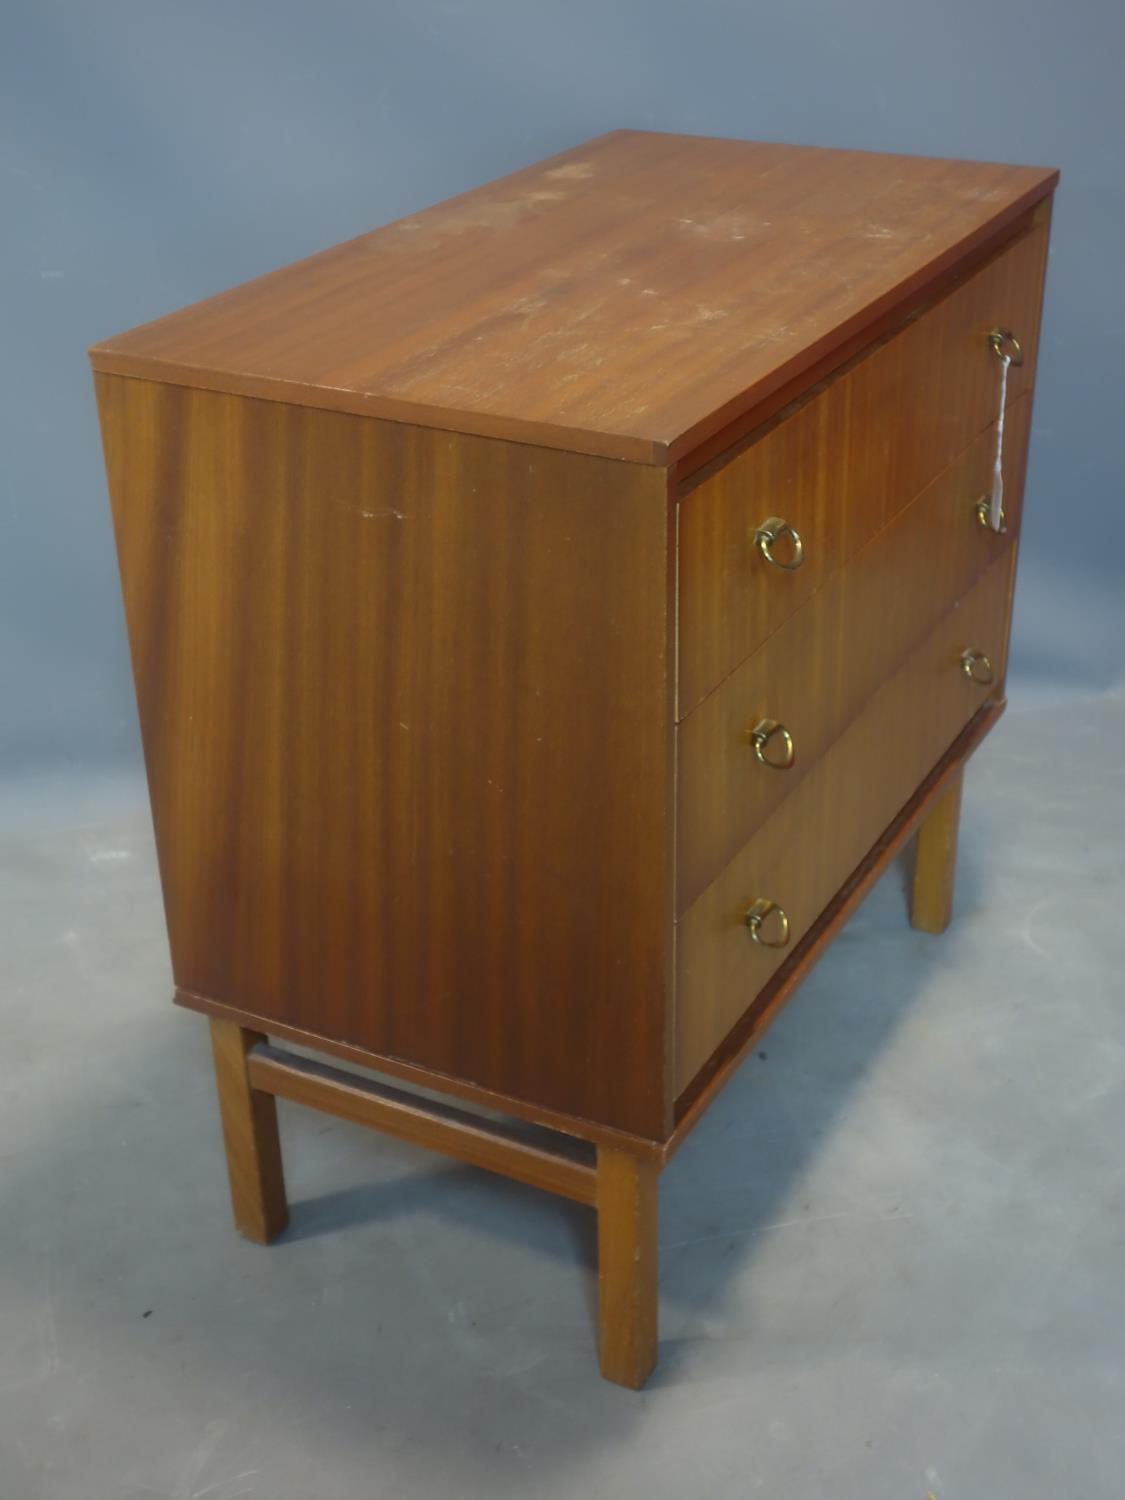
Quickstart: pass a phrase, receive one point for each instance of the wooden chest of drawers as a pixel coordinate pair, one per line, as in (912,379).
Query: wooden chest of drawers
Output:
(549,614)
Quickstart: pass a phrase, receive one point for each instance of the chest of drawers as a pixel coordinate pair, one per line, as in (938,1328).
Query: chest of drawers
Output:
(549,614)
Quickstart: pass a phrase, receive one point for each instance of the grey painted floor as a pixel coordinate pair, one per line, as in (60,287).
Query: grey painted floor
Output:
(893,1256)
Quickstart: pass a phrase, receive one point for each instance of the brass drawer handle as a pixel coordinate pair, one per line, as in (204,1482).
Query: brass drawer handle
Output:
(977,667)
(757,913)
(770,532)
(760,736)
(1005,345)
(982,509)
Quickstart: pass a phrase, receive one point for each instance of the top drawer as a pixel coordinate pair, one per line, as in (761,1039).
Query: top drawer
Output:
(845,462)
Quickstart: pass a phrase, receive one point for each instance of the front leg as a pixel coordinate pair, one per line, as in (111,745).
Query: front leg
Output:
(935,861)
(627,1266)
(257,1186)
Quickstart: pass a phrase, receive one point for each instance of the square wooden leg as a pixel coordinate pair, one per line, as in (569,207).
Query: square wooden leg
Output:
(935,861)
(257,1185)
(627,1266)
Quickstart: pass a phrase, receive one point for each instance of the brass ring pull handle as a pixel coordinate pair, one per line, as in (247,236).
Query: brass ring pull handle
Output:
(982,509)
(1005,345)
(756,915)
(760,736)
(977,667)
(769,533)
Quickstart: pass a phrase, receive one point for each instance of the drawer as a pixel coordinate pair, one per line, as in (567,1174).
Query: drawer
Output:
(815,673)
(801,855)
(845,462)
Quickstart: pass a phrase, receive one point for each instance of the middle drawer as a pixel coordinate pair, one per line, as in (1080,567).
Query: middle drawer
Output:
(814,674)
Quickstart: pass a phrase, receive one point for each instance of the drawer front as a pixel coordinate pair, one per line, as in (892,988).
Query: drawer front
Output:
(815,673)
(845,462)
(801,855)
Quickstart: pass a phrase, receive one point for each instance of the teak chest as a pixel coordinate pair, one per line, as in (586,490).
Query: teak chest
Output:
(549,615)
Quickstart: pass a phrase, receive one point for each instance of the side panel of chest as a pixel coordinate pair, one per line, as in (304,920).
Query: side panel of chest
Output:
(406,700)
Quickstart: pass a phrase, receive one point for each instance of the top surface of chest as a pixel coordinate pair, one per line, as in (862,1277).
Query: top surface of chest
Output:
(627,298)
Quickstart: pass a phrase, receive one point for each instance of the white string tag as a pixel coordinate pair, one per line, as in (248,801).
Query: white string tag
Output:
(996,504)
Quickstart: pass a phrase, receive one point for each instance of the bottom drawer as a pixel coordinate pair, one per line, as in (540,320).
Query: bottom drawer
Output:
(801,855)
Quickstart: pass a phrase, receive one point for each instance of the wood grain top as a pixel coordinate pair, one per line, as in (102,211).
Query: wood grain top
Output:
(628,297)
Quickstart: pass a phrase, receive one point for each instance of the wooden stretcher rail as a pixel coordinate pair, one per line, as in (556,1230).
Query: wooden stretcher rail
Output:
(566,1167)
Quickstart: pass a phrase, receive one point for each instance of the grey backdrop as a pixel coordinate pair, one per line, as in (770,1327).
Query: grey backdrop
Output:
(152,153)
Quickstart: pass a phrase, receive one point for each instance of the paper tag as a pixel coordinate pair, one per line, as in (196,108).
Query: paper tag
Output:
(996,505)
